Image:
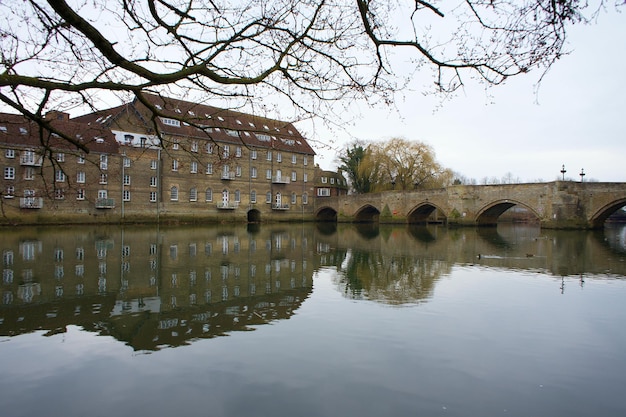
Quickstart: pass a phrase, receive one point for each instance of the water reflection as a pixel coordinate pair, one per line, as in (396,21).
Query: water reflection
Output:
(155,287)
(151,287)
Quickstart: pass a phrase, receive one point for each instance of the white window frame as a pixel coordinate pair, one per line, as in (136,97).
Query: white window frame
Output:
(9,173)
(59,175)
(80,177)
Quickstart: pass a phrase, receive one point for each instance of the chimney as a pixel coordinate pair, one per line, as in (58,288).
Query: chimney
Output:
(57,115)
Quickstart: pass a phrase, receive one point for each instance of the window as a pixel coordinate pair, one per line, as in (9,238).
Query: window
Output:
(324,180)
(80,159)
(209,168)
(332,180)
(126,162)
(294,159)
(269,155)
(268,197)
(253,154)
(323,192)
(253,196)
(143,141)
(294,198)
(153,181)
(174,193)
(238,171)
(175,145)
(238,151)
(305,177)
(253,172)
(170,122)
(126,195)
(29,173)
(226,151)
(279,157)
(153,164)
(10,192)
(194,146)
(59,176)
(174,164)
(126,179)
(104,161)
(103,178)
(208,195)
(153,196)
(209,148)
(9,153)
(268,174)
(80,177)
(59,193)
(305,160)
(60,157)
(294,175)
(193,167)
(9,173)
(305,198)
(193,194)
(237,196)
(80,194)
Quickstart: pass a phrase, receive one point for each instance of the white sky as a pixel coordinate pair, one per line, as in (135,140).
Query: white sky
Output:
(576,119)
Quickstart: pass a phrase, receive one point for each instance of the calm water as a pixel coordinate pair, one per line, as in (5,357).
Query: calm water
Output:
(292,320)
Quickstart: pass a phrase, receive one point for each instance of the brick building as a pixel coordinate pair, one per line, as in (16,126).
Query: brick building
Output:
(191,163)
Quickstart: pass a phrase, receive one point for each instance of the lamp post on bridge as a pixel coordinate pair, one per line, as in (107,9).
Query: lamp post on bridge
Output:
(563,171)
(582,174)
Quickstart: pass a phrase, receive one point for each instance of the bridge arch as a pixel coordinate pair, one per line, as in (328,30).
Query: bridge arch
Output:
(488,215)
(600,216)
(422,212)
(326,214)
(367,214)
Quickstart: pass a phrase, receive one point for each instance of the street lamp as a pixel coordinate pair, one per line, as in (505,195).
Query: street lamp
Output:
(563,171)
(582,174)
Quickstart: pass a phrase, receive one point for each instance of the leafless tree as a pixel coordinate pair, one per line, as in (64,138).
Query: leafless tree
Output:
(63,54)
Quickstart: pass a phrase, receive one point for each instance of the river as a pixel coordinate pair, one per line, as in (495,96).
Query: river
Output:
(312,320)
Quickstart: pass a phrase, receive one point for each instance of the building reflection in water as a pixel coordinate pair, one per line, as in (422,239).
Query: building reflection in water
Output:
(152,287)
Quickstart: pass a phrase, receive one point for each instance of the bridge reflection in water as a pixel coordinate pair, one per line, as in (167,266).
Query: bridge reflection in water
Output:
(163,287)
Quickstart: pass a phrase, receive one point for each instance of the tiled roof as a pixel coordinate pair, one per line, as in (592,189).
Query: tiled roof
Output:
(19,131)
(188,119)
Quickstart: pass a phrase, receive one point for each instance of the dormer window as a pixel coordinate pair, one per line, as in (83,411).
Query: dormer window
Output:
(170,122)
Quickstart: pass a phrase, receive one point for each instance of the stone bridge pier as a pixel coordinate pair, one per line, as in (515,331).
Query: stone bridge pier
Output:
(557,204)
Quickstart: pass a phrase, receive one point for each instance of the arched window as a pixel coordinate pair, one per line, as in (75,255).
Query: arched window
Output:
(253,196)
(193,194)
(208,196)
(293,198)
(237,196)
(174,193)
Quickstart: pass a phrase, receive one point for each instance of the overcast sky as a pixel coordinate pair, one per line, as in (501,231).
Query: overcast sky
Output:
(577,118)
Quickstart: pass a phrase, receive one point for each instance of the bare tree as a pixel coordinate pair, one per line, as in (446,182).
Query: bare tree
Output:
(61,54)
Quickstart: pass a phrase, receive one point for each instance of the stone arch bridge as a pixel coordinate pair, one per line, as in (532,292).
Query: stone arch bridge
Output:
(558,204)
